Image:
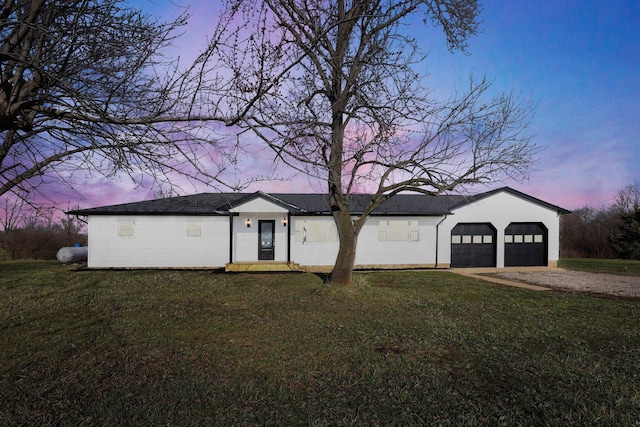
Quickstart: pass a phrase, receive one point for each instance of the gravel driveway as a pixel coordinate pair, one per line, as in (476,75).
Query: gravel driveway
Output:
(623,286)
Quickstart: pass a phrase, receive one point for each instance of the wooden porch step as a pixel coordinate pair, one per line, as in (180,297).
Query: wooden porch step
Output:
(262,266)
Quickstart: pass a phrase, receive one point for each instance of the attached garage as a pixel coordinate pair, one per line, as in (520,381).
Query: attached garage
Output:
(473,245)
(525,244)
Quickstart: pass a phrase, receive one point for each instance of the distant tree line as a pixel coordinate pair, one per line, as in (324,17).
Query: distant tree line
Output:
(607,232)
(30,231)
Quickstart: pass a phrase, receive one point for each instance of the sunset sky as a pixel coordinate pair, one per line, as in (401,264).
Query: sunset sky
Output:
(578,60)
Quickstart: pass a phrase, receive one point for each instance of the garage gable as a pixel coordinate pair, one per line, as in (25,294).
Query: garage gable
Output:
(526,231)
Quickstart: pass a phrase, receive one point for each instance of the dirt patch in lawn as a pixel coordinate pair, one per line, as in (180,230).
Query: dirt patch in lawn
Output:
(578,281)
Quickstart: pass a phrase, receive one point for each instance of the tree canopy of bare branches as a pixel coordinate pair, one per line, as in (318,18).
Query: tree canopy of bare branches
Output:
(84,88)
(333,88)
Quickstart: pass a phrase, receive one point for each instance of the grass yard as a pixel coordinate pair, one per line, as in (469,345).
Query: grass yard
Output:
(623,267)
(399,348)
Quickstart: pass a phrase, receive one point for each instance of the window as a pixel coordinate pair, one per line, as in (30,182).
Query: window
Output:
(398,231)
(125,229)
(415,235)
(316,231)
(333,231)
(299,227)
(194,229)
(382,231)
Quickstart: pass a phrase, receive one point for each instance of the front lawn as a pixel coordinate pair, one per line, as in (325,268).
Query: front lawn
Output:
(398,348)
(625,267)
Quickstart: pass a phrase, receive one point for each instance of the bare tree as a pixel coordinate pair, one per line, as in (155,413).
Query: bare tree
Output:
(84,89)
(627,200)
(333,88)
(13,213)
(585,232)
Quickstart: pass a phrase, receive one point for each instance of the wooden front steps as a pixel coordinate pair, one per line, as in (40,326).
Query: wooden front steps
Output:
(262,266)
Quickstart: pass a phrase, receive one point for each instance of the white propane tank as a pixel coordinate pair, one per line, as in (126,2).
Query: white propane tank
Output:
(72,254)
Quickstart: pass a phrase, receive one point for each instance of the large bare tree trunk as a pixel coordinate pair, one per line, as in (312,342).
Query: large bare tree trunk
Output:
(343,268)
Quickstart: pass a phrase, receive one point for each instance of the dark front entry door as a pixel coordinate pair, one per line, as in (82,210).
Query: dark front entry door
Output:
(266,239)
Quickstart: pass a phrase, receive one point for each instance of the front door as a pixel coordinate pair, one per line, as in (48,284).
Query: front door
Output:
(266,239)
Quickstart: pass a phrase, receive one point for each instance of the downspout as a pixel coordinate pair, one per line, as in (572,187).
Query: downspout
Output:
(437,236)
(230,238)
(288,237)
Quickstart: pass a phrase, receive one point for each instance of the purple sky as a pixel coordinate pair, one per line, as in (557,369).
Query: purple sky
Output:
(579,60)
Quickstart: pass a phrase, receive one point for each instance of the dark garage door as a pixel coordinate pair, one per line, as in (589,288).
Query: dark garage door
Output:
(525,244)
(473,245)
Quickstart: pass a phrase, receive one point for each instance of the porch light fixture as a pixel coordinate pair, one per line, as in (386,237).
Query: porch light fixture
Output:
(284,221)
(248,222)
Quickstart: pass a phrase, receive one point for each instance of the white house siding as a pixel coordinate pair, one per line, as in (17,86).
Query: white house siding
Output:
(245,244)
(372,250)
(259,205)
(500,210)
(158,241)
(417,248)
(245,239)
(309,251)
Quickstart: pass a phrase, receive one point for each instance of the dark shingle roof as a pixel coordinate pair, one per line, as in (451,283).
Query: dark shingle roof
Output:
(298,203)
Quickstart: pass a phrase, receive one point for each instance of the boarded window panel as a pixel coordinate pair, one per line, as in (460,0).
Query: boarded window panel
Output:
(398,231)
(456,240)
(333,231)
(382,231)
(415,236)
(194,229)
(125,229)
(299,227)
(487,239)
(316,231)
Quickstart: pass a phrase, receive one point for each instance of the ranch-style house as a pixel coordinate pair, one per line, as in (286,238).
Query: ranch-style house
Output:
(268,231)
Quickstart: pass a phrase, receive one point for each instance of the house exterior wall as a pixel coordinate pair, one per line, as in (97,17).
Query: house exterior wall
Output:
(308,252)
(158,241)
(184,241)
(500,210)
(245,239)
(418,249)
(374,249)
